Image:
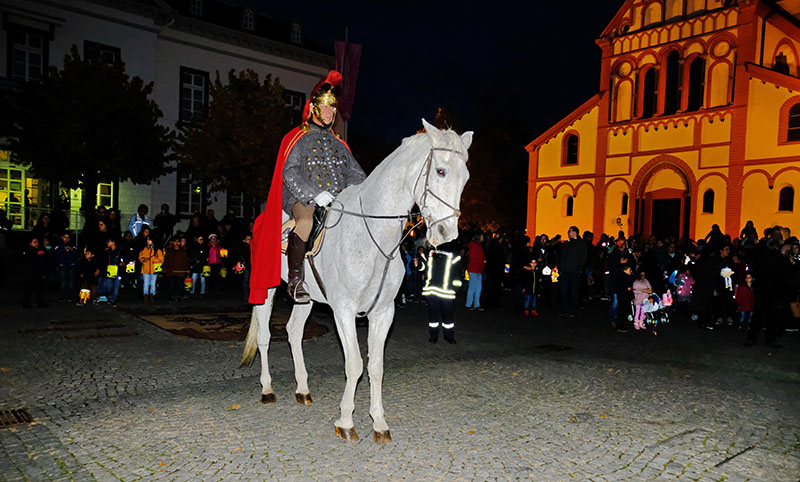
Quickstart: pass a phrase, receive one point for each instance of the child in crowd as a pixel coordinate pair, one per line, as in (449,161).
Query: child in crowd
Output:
(529,282)
(111,264)
(215,262)
(745,300)
(683,290)
(33,273)
(243,265)
(151,258)
(67,257)
(88,271)
(623,287)
(641,291)
(176,269)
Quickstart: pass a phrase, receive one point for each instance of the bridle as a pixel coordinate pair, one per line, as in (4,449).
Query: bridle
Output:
(425,214)
(426,168)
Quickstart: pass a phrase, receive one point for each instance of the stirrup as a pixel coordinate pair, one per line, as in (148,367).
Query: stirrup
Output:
(300,298)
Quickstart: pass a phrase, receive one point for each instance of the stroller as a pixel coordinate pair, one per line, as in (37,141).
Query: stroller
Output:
(655,311)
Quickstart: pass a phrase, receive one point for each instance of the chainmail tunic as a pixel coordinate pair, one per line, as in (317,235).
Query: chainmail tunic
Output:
(318,162)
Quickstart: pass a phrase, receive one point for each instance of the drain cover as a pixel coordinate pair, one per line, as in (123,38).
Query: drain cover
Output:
(14,417)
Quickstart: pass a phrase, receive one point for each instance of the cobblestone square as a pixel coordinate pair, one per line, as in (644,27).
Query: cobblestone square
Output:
(545,398)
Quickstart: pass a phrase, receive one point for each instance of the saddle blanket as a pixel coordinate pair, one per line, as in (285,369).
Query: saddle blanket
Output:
(287,227)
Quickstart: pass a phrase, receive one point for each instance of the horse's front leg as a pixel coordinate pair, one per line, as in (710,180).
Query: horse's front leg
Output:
(262,314)
(353,366)
(379,324)
(295,328)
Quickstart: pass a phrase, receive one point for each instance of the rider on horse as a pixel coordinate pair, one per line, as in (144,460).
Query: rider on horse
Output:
(313,167)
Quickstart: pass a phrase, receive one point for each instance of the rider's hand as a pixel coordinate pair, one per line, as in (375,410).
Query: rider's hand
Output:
(323,199)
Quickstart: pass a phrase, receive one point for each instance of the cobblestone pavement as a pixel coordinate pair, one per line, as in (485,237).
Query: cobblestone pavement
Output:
(509,401)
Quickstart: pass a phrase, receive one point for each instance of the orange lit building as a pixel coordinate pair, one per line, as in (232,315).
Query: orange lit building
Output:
(697,122)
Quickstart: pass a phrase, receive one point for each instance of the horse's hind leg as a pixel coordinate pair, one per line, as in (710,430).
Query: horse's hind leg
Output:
(263,313)
(295,328)
(379,324)
(354,367)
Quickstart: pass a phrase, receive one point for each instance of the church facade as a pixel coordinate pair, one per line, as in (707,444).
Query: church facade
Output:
(696,122)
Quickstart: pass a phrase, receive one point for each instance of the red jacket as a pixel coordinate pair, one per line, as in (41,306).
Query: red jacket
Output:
(745,299)
(477,260)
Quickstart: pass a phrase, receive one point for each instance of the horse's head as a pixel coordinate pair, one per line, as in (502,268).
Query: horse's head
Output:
(439,185)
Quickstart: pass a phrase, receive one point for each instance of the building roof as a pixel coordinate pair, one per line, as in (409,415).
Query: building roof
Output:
(788,8)
(775,78)
(565,122)
(229,14)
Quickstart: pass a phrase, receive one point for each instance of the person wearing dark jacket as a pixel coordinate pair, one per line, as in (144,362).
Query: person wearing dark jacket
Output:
(198,264)
(771,271)
(33,273)
(573,258)
(110,272)
(443,271)
(88,273)
(176,269)
(622,286)
(67,259)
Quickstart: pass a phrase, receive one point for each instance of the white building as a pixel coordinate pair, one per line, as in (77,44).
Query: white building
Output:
(177,44)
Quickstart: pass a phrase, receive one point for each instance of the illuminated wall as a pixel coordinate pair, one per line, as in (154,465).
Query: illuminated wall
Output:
(692,126)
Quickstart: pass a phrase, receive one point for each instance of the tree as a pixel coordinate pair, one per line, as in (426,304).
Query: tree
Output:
(235,145)
(89,123)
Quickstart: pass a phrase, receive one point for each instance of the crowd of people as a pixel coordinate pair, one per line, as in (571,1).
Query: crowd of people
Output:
(749,282)
(110,254)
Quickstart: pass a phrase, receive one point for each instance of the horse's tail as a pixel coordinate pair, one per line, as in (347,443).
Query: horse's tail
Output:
(251,344)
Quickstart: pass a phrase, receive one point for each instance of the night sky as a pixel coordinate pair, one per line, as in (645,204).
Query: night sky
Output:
(419,55)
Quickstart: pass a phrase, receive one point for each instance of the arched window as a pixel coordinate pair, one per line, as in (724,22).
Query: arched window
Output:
(697,83)
(694,6)
(674,8)
(248,19)
(649,94)
(786,199)
(570,150)
(652,14)
(793,133)
(672,89)
(708,202)
(624,209)
(570,206)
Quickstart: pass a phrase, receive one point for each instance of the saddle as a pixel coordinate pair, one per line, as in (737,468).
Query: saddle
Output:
(315,239)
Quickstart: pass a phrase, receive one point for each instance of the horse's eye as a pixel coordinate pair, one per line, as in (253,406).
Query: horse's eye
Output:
(441,172)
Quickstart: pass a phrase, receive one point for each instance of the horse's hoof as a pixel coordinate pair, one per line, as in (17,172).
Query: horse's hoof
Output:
(268,398)
(381,437)
(304,398)
(348,434)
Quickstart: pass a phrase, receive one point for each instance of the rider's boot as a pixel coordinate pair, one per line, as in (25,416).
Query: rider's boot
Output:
(295,253)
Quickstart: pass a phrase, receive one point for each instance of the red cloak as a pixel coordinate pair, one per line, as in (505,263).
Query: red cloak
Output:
(265,250)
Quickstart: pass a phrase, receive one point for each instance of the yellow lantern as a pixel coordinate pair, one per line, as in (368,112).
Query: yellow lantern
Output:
(223,253)
(130,267)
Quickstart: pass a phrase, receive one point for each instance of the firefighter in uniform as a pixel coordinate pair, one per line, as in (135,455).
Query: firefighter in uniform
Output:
(443,273)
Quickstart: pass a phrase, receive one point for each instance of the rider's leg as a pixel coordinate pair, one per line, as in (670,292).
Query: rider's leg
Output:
(296,251)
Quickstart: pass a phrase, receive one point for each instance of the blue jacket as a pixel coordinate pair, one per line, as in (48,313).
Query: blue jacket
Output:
(66,256)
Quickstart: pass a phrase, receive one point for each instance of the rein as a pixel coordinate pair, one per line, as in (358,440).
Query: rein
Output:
(426,169)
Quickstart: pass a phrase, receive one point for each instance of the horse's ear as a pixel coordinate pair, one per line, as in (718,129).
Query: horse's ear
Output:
(434,133)
(466,138)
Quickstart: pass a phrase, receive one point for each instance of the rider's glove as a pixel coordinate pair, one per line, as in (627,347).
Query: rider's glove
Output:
(323,199)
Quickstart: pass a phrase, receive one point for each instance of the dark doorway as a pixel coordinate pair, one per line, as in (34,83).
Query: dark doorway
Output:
(666,218)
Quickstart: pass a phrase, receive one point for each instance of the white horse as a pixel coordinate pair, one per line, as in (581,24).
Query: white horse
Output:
(358,267)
